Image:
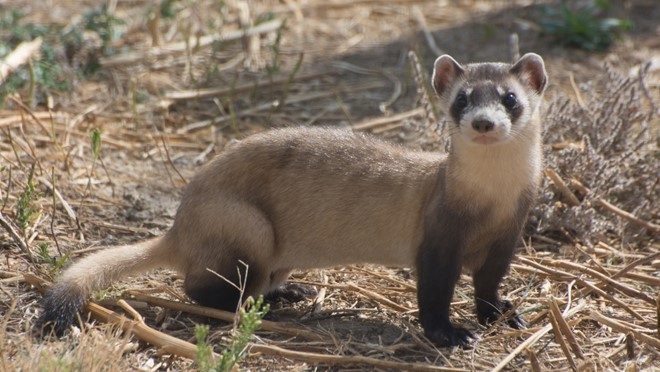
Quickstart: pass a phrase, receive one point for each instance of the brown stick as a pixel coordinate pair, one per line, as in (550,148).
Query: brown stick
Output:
(572,200)
(628,216)
(371,123)
(344,360)
(561,342)
(421,20)
(19,56)
(616,325)
(14,236)
(533,339)
(564,328)
(182,95)
(635,263)
(378,298)
(284,328)
(579,280)
(155,53)
(632,292)
(165,342)
(616,210)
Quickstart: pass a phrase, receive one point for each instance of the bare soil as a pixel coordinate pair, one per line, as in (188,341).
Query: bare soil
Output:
(337,63)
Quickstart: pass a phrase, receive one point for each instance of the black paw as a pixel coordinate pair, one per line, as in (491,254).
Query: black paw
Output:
(448,336)
(291,292)
(488,313)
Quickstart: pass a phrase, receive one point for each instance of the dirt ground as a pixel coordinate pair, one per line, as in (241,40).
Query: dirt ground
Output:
(166,107)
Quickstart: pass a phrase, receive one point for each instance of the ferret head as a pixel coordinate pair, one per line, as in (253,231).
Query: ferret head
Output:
(490,103)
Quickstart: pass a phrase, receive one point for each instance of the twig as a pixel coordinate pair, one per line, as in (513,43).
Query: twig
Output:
(561,342)
(18,57)
(632,292)
(616,325)
(533,339)
(396,83)
(534,361)
(67,207)
(129,309)
(253,110)
(15,237)
(16,120)
(169,160)
(372,123)
(583,282)
(573,201)
(35,117)
(183,95)
(165,342)
(156,53)
(378,298)
(289,329)
(616,210)
(421,20)
(634,264)
(320,297)
(564,328)
(514,47)
(628,216)
(578,96)
(343,360)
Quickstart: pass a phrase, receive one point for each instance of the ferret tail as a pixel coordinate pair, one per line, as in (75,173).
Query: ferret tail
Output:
(66,298)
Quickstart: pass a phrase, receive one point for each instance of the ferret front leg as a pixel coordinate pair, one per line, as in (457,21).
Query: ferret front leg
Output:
(438,270)
(487,280)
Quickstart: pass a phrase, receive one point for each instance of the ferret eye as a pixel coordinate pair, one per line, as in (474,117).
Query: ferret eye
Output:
(461,101)
(510,101)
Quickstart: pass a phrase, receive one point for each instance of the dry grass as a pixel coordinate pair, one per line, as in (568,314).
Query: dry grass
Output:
(586,279)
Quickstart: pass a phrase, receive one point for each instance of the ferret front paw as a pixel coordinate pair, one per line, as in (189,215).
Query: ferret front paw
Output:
(489,313)
(448,336)
(291,292)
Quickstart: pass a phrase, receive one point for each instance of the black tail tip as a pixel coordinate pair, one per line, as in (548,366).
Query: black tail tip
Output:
(60,310)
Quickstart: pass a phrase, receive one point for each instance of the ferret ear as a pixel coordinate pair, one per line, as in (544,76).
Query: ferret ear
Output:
(531,69)
(445,71)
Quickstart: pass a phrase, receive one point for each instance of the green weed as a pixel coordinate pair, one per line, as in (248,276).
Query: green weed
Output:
(42,253)
(46,73)
(95,144)
(64,55)
(274,65)
(26,210)
(106,24)
(235,350)
(584,27)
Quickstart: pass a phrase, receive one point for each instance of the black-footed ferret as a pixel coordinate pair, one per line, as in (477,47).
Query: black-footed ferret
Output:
(310,198)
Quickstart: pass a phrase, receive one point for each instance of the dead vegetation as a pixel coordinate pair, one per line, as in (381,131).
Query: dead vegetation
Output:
(175,88)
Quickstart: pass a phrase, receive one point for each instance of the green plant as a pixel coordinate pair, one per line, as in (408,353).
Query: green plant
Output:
(46,73)
(169,8)
(584,27)
(106,24)
(235,350)
(45,257)
(26,211)
(274,65)
(95,143)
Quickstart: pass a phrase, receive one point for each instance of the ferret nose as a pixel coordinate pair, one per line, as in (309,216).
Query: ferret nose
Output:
(482,125)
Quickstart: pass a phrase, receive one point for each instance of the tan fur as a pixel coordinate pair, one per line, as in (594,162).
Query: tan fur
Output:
(310,198)
(248,194)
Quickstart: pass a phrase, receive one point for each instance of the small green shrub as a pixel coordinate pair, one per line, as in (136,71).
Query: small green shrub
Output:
(235,350)
(106,24)
(26,210)
(64,55)
(584,27)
